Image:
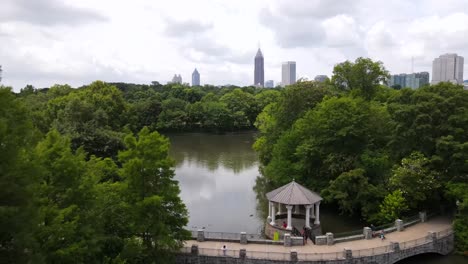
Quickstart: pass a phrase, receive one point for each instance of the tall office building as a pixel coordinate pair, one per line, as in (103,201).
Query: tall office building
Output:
(288,73)
(259,73)
(195,78)
(447,68)
(269,84)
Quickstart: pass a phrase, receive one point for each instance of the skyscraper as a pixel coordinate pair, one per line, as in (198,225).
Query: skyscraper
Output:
(447,68)
(259,73)
(195,78)
(288,73)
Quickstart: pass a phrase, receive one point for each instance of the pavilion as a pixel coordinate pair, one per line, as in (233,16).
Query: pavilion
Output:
(306,205)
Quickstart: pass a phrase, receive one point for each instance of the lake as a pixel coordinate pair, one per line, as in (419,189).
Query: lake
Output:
(216,175)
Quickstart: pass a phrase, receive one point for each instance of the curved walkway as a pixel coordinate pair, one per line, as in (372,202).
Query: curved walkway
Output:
(409,235)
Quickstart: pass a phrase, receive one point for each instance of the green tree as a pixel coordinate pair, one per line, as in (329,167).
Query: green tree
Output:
(416,180)
(17,181)
(65,231)
(353,193)
(362,76)
(158,215)
(392,207)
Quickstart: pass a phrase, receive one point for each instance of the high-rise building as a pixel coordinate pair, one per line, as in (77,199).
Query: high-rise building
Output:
(288,73)
(259,73)
(447,68)
(413,80)
(269,84)
(195,78)
(177,79)
(320,78)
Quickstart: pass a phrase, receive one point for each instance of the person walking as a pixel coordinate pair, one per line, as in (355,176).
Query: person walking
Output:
(224,248)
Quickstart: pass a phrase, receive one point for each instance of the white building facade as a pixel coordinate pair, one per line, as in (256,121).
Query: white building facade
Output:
(288,73)
(448,68)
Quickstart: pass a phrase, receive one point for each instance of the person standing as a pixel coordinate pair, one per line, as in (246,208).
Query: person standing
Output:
(224,248)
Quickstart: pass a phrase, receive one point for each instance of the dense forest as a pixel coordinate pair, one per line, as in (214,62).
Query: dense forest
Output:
(374,152)
(86,177)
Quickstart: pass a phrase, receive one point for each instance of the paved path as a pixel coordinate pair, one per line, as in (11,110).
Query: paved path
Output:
(417,231)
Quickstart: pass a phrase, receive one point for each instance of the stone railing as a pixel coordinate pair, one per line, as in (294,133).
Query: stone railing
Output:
(440,242)
(242,237)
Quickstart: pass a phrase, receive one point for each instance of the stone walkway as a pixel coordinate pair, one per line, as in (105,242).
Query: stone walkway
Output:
(411,233)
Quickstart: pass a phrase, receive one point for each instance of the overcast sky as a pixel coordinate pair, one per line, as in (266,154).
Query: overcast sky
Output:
(44,42)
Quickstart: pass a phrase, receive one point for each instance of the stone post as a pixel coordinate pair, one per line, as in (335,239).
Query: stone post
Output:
(423,217)
(367,231)
(242,253)
(347,254)
(273,216)
(293,256)
(307,220)
(289,207)
(399,225)
(200,235)
(287,240)
(243,238)
(395,246)
(194,250)
(317,216)
(329,239)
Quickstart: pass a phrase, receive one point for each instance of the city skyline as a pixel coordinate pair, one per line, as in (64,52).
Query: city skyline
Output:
(77,42)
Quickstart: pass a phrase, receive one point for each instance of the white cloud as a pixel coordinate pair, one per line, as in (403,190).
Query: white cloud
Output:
(77,42)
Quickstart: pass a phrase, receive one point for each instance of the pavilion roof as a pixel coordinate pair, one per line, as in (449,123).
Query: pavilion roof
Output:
(292,194)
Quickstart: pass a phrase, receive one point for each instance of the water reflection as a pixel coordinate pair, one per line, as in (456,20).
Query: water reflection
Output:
(216,174)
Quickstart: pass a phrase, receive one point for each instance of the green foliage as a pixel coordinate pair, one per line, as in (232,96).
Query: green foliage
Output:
(416,181)
(17,213)
(360,141)
(362,77)
(158,216)
(392,207)
(352,191)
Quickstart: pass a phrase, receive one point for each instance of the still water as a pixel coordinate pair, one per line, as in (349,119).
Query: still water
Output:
(217,173)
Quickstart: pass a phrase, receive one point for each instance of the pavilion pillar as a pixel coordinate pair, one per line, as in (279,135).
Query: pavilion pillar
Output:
(273,215)
(317,216)
(279,209)
(289,207)
(312,209)
(296,211)
(307,219)
(269,211)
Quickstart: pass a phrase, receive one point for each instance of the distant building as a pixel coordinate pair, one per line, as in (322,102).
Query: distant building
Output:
(288,73)
(269,84)
(195,78)
(413,80)
(447,68)
(321,78)
(259,73)
(177,79)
